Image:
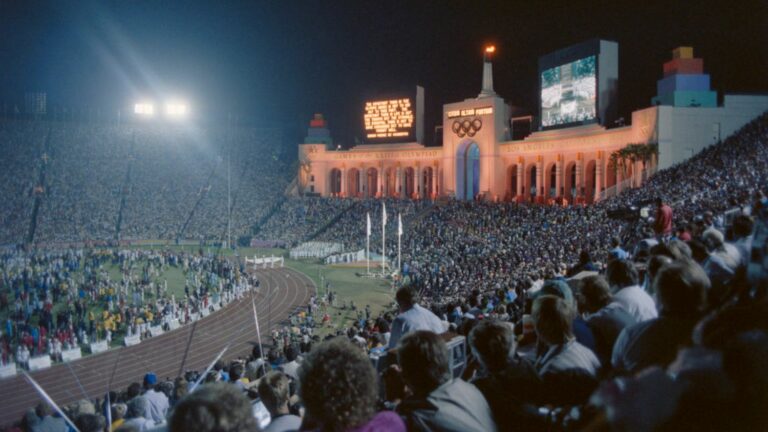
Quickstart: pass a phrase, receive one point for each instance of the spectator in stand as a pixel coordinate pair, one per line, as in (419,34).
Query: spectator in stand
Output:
(157,401)
(585,264)
(274,391)
(291,366)
(560,288)
(255,367)
(623,280)
(217,407)
(90,423)
(743,226)
(552,318)
(681,288)
(510,384)
(118,414)
(616,251)
(605,317)
(412,316)
(135,415)
(439,401)
(339,389)
(44,419)
(662,226)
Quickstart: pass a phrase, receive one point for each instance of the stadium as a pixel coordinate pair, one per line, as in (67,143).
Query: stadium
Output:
(575,260)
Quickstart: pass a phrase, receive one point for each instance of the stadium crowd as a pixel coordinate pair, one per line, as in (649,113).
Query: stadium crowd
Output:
(151,181)
(573,320)
(56,301)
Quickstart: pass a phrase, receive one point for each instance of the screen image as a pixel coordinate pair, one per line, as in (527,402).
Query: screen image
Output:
(387,120)
(568,92)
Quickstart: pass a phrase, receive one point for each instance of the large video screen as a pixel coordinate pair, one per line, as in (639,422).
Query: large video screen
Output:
(389,120)
(568,92)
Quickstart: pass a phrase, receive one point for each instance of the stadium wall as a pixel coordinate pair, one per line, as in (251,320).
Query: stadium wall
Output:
(685,131)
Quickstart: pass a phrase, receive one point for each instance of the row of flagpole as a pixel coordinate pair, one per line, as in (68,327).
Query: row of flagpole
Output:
(383,239)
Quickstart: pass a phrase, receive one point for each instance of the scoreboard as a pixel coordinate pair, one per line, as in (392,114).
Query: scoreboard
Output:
(395,118)
(391,118)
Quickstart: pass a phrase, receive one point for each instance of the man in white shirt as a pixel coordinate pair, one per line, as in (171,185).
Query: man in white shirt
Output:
(412,316)
(157,401)
(623,279)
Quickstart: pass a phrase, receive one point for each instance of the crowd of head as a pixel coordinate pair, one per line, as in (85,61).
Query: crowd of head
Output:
(157,181)
(573,320)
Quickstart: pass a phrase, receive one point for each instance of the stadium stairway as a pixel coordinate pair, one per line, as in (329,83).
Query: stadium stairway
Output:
(124,190)
(256,228)
(330,222)
(40,188)
(203,193)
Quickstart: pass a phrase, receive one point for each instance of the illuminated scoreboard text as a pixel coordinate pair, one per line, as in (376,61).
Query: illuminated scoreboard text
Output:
(388,119)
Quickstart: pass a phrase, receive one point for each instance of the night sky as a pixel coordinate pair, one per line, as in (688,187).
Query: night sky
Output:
(278,62)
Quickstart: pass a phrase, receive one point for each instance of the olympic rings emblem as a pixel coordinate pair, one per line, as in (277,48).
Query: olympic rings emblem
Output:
(466,127)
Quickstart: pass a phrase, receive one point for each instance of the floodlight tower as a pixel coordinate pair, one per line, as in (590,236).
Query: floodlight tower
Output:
(487,89)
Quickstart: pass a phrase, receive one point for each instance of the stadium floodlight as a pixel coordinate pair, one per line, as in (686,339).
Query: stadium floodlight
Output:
(145,109)
(176,109)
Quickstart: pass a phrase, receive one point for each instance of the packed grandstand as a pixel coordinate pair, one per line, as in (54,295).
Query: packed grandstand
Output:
(574,318)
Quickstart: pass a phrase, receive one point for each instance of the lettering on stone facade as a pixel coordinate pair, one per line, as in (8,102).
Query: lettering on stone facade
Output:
(414,154)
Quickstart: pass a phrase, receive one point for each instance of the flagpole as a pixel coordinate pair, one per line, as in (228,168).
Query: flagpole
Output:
(399,236)
(383,236)
(368,244)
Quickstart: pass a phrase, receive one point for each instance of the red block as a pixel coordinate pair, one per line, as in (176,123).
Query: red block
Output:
(684,66)
(317,123)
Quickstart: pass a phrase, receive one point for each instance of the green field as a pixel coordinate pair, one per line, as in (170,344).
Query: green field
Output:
(343,281)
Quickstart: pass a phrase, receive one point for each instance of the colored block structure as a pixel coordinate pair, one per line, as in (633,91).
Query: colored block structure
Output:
(682,53)
(698,99)
(684,84)
(680,82)
(684,66)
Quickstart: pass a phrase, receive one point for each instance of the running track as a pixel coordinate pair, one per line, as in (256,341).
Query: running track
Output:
(164,354)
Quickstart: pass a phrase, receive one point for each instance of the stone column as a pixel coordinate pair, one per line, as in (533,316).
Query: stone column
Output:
(599,173)
(559,177)
(380,191)
(361,181)
(520,178)
(540,178)
(420,173)
(579,176)
(398,182)
(343,182)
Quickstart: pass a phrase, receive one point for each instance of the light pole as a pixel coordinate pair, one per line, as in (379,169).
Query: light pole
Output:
(229,181)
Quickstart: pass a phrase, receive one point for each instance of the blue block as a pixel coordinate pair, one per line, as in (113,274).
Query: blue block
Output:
(683,82)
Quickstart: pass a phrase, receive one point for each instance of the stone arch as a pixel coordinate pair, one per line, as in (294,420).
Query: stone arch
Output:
(335,179)
(353,182)
(531,189)
(512,181)
(610,176)
(409,182)
(570,191)
(590,177)
(429,179)
(372,182)
(390,181)
(550,181)
(468,170)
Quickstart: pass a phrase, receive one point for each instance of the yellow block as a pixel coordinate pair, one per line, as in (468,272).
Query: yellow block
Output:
(682,53)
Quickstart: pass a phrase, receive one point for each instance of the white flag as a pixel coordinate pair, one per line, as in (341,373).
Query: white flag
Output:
(383,214)
(368,225)
(399,224)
